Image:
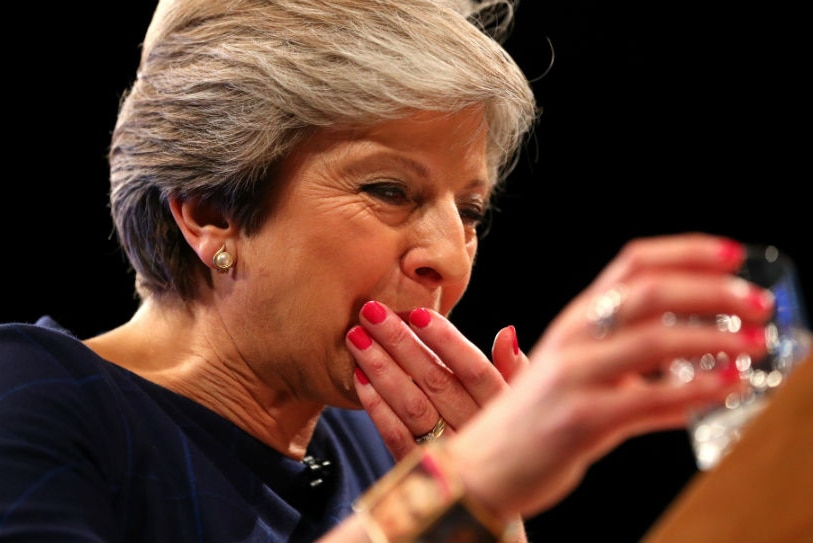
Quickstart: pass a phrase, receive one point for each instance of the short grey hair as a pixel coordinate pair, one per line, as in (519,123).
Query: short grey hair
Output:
(226,88)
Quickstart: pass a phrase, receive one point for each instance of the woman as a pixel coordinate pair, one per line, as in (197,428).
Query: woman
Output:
(298,187)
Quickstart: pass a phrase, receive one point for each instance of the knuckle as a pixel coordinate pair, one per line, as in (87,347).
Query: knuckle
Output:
(437,379)
(397,334)
(392,436)
(417,408)
(373,403)
(632,254)
(376,366)
(479,374)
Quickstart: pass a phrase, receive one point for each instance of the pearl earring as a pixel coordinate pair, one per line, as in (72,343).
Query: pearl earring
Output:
(223,260)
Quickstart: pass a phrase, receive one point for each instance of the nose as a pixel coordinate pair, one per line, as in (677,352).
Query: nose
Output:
(443,248)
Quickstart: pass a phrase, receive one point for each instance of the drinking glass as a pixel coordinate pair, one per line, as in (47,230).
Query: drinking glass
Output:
(714,430)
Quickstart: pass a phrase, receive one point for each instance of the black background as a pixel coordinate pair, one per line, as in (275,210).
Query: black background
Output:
(658,117)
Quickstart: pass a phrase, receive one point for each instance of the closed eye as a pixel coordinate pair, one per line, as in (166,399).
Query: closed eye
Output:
(472,214)
(388,192)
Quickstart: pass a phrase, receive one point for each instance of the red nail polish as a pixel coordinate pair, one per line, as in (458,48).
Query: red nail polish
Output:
(373,312)
(760,298)
(732,253)
(755,335)
(361,376)
(729,373)
(420,317)
(516,341)
(358,336)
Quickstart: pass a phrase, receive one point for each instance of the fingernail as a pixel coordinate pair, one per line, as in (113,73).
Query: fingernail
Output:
(516,341)
(732,253)
(755,335)
(756,296)
(729,373)
(760,298)
(361,376)
(373,312)
(420,317)
(359,338)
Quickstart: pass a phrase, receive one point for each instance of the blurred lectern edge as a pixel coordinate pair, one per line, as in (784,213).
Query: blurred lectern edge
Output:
(762,491)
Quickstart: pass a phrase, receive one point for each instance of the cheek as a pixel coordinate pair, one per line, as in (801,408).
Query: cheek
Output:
(357,251)
(452,294)
(349,268)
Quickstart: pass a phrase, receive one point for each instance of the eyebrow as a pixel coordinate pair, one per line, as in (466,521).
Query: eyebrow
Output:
(416,167)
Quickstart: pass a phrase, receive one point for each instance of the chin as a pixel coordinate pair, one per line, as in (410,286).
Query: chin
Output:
(347,399)
(346,396)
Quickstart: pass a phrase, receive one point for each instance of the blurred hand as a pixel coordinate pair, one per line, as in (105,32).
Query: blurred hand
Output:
(597,376)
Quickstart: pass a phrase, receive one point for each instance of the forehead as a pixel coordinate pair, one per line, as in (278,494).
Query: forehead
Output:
(428,138)
(467,126)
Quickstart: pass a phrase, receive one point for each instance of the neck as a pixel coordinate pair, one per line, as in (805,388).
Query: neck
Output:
(173,348)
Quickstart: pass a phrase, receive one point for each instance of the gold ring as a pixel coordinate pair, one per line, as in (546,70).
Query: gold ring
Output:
(432,434)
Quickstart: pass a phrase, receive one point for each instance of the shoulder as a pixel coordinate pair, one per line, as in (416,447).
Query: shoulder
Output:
(55,398)
(47,370)
(29,351)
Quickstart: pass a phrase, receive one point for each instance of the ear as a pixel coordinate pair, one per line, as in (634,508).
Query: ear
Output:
(205,228)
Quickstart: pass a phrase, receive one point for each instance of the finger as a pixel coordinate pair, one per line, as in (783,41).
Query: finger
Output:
(691,251)
(698,294)
(644,347)
(681,274)
(432,356)
(694,294)
(505,353)
(670,296)
(401,393)
(480,378)
(397,437)
(653,406)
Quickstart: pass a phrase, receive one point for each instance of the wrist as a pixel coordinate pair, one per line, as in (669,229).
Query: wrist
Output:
(423,499)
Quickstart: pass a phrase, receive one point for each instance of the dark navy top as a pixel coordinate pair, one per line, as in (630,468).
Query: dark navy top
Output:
(90,451)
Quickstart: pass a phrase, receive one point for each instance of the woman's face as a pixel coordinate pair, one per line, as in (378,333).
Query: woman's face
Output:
(386,213)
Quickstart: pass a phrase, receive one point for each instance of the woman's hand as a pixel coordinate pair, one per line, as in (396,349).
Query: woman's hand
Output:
(410,376)
(600,374)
